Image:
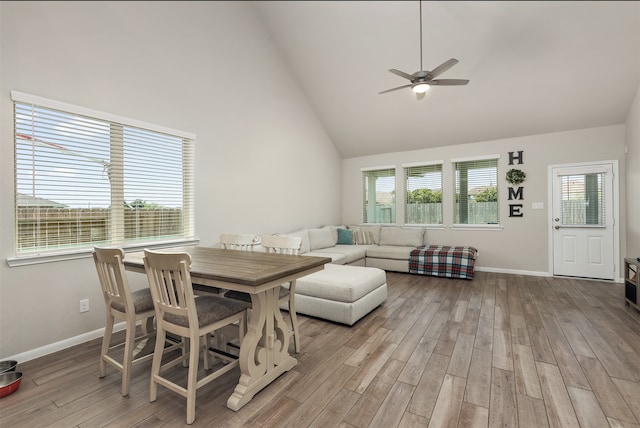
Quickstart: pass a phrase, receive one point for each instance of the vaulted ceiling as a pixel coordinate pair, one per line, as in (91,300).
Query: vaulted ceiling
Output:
(534,67)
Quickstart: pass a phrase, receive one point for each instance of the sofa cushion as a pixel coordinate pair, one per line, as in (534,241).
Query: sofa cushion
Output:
(341,283)
(336,258)
(401,236)
(304,234)
(345,237)
(321,238)
(351,252)
(374,229)
(395,252)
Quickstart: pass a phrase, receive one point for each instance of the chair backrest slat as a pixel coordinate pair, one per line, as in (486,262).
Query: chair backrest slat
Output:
(112,277)
(281,244)
(170,282)
(242,242)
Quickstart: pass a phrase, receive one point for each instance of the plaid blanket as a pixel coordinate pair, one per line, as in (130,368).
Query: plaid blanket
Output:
(443,260)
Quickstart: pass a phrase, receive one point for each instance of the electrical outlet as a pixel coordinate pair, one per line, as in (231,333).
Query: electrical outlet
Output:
(84,305)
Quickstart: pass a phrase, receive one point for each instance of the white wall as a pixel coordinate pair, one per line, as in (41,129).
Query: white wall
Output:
(263,161)
(522,244)
(633,179)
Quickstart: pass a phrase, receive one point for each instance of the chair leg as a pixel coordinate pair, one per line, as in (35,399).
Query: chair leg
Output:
(192,380)
(106,342)
(157,361)
(205,355)
(127,358)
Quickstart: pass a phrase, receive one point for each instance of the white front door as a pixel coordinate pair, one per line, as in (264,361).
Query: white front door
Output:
(583,221)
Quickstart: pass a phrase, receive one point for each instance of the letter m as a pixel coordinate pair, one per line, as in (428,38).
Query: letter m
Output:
(516,194)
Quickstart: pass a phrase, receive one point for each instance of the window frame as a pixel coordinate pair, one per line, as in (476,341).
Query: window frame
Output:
(405,171)
(365,189)
(454,170)
(187,236)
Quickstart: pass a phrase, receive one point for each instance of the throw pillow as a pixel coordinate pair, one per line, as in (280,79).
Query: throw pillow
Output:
(362,237)
(373,229)
(321,238)
(345,237)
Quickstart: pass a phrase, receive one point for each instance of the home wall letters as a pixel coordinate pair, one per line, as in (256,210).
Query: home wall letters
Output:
(515,177)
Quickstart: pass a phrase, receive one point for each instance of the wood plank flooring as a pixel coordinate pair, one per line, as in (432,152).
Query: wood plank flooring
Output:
(501,350)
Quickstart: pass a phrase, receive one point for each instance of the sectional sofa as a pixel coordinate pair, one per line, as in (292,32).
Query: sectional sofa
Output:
(383,247)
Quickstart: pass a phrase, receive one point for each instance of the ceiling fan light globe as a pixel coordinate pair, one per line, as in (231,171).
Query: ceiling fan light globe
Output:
(420,88)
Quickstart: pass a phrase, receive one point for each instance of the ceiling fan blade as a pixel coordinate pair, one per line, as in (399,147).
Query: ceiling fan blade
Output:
(420,95)
(449,82)
(402,74)
(395,89)
(443,67)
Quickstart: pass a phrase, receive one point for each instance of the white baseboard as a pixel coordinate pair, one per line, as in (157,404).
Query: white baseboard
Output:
(534,273)
(512,271)
(63,344)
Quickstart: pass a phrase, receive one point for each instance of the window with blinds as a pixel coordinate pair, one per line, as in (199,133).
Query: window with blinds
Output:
(476,191)
(85,178)
(423,197)
(379,195)
(583,199)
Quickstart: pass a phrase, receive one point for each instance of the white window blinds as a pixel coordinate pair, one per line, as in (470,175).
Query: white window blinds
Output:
(379,196)
(476,191)
(423,197)
(86,179)
(583,197)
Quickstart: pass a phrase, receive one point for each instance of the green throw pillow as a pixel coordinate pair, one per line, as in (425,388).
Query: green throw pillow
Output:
(345,237)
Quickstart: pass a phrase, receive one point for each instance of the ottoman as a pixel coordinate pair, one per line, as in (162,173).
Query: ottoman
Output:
(340,293)
(443,260)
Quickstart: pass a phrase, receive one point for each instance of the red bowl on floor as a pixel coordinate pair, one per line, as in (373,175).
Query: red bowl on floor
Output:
(8,366)
(9,383)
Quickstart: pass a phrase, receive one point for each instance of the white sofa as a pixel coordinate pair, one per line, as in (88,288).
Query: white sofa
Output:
(384,247)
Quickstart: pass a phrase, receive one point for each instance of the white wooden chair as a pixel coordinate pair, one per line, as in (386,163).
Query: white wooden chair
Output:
(130,307)
(229,241)
(280,244)
(228,335)
(179,312)
(243,241)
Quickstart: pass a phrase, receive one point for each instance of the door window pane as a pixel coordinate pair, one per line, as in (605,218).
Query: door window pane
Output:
(582,197)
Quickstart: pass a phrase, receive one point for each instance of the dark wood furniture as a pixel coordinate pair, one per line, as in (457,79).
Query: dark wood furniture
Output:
(264,351)
(631,282)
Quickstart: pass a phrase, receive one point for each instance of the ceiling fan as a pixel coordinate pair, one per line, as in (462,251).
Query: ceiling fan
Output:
(422,80)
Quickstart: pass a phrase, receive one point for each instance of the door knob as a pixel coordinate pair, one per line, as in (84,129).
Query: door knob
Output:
(556,227)
(556,219)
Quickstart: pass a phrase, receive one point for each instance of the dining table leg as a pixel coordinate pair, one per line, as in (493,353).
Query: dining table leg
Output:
(264,351)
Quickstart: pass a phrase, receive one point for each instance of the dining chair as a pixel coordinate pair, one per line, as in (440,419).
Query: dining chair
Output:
(180,312)
(228,241)
(280,244)
(242,241)
(123,304)
(227,336)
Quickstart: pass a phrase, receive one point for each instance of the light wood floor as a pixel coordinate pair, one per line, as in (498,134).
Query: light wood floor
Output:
(501,350)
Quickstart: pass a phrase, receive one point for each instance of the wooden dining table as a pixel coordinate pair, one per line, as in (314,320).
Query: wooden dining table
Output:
(264,351)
